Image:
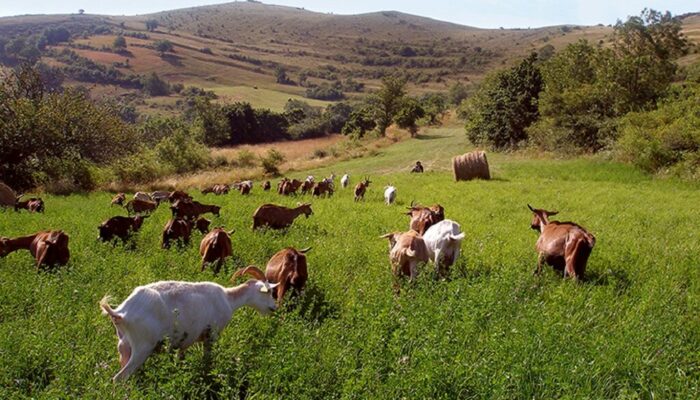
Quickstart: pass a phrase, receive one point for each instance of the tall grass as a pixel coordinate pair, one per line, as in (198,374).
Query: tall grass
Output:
(493,330)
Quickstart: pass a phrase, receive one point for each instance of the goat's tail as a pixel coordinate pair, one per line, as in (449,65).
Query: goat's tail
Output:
(107,309)
(457,237)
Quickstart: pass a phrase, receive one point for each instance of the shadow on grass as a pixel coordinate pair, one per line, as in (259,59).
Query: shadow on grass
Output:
(172,60)
(430,137)
(618,279)
(312,305)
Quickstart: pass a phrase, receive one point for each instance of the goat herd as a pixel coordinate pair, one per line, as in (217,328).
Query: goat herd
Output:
(203,309)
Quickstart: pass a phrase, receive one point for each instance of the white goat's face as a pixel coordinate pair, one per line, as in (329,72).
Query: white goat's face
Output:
(263,300)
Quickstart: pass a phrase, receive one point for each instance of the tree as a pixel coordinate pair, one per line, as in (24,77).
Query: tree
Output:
(81,11)
(434,105)
(504,106)
(407,115)
(281,76)
(151,25)
(154,86)
(163,46)
(457,93)
(119,43)
(387,101)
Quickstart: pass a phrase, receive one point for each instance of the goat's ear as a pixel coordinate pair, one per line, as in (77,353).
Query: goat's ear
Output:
(231,232)
(387,235)
(530,207)
(551,212)
(273,285)
(304,251)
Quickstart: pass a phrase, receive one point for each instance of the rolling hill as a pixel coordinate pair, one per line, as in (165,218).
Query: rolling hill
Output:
(236,48)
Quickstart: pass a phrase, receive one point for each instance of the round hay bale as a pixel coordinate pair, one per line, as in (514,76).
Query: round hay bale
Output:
(471,166)
(7,196)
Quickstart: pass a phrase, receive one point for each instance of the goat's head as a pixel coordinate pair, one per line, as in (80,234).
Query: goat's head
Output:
(138,221)
(259,290)
(540,217)
(305,208)
(202,224)
(393,237)
(4,246)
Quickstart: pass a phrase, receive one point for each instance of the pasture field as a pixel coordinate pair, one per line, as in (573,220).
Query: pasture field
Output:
(493,330)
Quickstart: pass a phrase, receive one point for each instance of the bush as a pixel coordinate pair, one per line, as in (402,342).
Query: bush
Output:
(271,162)
(138,168)
(181,153)
(245,158)
(324,92)
(154,86)
(666,139)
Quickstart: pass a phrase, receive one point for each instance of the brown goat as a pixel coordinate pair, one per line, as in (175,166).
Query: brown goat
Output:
(49,248)
(278,217)
(288,268)
(137,206)
(281,184)
(266,186)
(307,187)
(323,187)
(202,225)
(563,245)
(423,218)
(361,188)
(290,187)
(33,204)
(121,227)
(215,247)
(177,229)
(218,189)
(406,251)
(179,195)
(245,188)
(192,209)
(118,199)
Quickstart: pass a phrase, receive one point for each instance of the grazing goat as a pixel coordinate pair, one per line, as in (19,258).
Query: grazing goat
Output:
(193,209)
(137,206)
(142,196)
(178,195)
(202,225)
(266,186)
(288,269)
(307,186)
(176,229)
(121,227)
(33,204)
(329,180)
(183,312)
(278,217)
(245,187)
(118,199)
(215,247)
(563,245)
(443,241)
(290,187)
(361,188)
(217,189)
(406,251)
(389,195)
(160,196)
(323,188)
(280,185)
(345,181)
(418,168)
(48,248)
(423,218)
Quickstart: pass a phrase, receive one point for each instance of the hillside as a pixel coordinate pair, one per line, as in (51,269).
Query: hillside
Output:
(235,48)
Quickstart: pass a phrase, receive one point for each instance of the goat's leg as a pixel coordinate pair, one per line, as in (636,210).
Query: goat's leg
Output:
(138,357)
(540,261)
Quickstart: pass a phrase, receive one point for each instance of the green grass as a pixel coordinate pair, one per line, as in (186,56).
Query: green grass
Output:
(261,97)
(491,331)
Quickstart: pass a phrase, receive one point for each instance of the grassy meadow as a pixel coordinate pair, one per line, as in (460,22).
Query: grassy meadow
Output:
(493,330)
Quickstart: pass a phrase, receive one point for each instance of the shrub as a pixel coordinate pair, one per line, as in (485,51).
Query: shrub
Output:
(271,162)
(181,153)
(245,158)
(666,139)
(138,168)
(324,92)
(153,85)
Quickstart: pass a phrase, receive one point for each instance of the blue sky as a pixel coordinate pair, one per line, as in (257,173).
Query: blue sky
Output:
(480,13)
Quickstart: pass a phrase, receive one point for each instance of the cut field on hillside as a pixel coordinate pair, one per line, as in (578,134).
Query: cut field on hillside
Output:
(493,330)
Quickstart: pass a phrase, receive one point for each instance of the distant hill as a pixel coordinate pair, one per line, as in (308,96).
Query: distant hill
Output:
(238,48)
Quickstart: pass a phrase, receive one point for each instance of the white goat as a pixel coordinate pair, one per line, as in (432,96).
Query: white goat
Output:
(345,181)
(330,179)
(310,178)
(183,312)
(389,195)
(142,196)
(443,241)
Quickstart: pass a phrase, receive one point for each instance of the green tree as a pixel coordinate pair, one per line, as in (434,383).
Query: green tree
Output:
(153,85)
(151,25)
(434,105)
(504,106)
(386,102)
(457,93)
(163,46)
(407,115)
(119,43)
(281,75)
